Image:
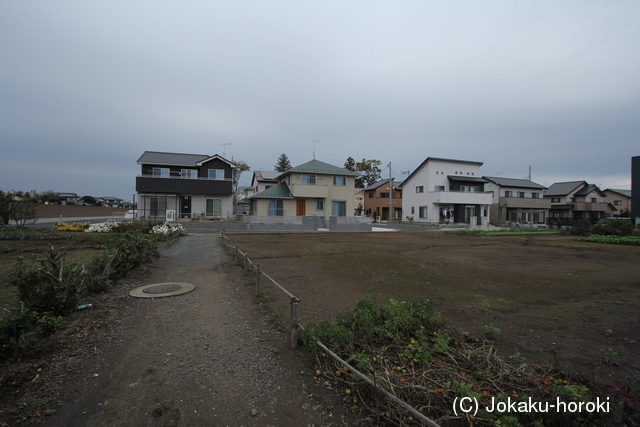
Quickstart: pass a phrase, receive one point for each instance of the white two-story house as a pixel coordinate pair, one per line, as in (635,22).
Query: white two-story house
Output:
(446,190)
(314,188)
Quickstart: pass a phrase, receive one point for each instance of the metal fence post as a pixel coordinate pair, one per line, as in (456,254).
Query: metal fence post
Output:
(294,322)
(259,273)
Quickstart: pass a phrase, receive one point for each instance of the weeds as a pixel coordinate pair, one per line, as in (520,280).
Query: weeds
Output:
(410,350)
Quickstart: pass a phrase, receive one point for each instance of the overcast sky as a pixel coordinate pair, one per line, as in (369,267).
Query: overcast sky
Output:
(87,87)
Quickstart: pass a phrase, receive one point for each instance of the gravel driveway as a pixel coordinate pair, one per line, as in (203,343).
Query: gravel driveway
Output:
(211,357)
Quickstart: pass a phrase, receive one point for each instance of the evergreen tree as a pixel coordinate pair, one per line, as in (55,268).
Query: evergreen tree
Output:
(350,164)
(283,164)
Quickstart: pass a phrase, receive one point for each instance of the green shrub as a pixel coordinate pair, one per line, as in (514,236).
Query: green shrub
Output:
(621,240)
(49,284)
(580,228)
(613,227)
(21,327)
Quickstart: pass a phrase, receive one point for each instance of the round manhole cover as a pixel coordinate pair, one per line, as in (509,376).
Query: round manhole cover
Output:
(158,290)
(162,289)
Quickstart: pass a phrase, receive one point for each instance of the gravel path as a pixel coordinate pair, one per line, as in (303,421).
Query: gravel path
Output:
(207,358)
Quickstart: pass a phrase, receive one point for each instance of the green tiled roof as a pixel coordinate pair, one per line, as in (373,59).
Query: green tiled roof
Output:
(280,191)
(316,166)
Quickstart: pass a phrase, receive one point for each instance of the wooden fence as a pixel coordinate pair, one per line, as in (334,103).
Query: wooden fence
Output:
(295,327)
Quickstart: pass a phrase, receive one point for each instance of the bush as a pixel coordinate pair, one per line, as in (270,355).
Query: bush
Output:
(49,284)
(621,240)
(21,328)
(581,228)
(613,227)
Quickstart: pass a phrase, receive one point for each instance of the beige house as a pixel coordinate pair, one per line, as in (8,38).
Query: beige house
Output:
(621,200)
(517,200)
(577,200)
(314,188)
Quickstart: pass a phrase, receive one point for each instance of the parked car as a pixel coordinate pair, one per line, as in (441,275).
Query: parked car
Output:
(130,215)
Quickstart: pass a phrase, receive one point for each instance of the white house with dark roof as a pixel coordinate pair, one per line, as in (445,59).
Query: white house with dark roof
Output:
(577,200)
(446,190)
(314,188)
(177,185)
(517,200)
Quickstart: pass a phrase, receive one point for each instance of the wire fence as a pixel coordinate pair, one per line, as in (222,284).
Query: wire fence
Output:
(294,301)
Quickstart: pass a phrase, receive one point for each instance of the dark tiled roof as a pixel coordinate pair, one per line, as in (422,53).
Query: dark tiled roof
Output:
(174,159)
(514,182)
(563,188)
(589,189)
(377,184)
(266,175)
(462,178)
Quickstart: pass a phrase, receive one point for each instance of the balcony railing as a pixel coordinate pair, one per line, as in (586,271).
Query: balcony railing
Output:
(178,185)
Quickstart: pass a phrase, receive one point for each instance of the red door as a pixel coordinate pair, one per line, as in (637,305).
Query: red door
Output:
(300,208)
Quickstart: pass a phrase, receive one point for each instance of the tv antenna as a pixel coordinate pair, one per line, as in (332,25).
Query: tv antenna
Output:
(224,150)
(314,146)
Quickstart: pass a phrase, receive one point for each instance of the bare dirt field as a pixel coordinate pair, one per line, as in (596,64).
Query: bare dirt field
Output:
(554,299)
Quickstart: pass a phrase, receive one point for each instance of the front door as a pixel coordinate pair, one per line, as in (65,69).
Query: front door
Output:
(301,207)
(185,206)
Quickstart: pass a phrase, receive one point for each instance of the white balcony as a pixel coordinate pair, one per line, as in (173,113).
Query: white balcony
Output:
(460,198)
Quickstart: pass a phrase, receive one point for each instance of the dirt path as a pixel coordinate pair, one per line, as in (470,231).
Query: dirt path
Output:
(206,358)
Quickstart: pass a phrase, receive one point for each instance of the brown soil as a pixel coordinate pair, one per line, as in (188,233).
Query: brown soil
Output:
(220,356)
(556,300)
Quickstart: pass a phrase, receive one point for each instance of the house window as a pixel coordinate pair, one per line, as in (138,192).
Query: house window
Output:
(508,194)
(161,172)
(555,200)
(475,189)
(423,212)
(308,179)
(339,180)
(158,206)
(617,202)
(521,194)
(339,209)
(371,195)
(557,215)
(320,204)
(420,189)
(594,200)
(217,174)
(439,188)
(189,174)
(535,195)
(413,210)
(384,195)
(214,207)
(276,208)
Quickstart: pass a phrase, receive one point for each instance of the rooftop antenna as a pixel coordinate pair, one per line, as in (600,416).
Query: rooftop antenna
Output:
(224,150)
(408,172)
(314,147)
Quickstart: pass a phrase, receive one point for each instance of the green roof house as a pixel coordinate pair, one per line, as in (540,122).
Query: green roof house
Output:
(313,188)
